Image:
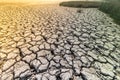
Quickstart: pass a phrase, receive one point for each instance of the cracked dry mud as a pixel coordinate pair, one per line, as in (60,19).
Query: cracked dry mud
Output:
(58,43)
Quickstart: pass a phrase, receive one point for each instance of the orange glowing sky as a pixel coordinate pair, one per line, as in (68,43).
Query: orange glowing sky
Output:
(41,1)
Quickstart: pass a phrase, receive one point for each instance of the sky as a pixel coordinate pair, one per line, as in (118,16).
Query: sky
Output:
(41,1)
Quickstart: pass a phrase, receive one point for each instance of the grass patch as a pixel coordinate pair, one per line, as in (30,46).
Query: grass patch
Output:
(112,8)
(81,4)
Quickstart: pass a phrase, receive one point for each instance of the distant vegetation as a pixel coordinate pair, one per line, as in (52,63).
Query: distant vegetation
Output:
(112,7)
(83,4)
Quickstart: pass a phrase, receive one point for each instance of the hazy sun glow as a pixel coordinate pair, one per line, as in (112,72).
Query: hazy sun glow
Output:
(41,1)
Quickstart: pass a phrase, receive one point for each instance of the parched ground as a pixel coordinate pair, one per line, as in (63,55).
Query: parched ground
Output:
(58,43)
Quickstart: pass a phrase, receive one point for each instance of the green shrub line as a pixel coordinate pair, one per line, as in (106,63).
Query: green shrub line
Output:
(83,4)
(111,7)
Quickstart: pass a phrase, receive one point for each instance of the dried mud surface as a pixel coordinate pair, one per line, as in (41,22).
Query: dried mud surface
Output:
(58,43)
